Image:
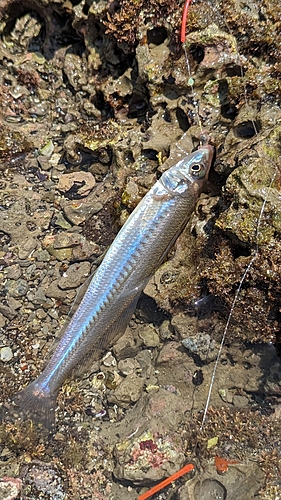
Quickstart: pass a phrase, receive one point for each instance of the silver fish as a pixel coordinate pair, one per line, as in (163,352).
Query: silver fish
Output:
(111,297)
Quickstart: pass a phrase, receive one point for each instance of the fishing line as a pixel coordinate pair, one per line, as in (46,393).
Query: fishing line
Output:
(256,252)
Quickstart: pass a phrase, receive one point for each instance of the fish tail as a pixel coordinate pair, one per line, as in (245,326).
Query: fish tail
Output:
(32,403)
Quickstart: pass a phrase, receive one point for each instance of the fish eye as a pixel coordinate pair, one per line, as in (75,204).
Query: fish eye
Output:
(197,170)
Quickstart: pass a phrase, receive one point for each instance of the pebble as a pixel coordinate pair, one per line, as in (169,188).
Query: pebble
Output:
(10,488)
(109,360)
(13,272)
(209,489)
(128,391)
(79,183)
(16,288)
(149,336)
(27,248)
(2,321)
(202,345)
(127,346)
(128,366)
(6,354)
(79,211)
(7,311)
(75,275)
(42,256)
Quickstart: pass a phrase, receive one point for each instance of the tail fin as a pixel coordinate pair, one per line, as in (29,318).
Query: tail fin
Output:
(31,403)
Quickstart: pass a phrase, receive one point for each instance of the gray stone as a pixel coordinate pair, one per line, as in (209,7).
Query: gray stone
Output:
(16,288)
(128,392)
(13,272)
(75,275)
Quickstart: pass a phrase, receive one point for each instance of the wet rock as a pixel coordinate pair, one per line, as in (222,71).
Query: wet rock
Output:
(7,311)
(202,345)
(150,457)
(165,330)
(240,481)
(149,336)
(68,246)
(41,479)
(167,406)
(27,248)
(80,210)
(10,488)
(2,321)
(6,354)
(128,392)
(76,185)
(127,346)
(42,256)
(13,272)
(74,276)
(16,288)
(129,366)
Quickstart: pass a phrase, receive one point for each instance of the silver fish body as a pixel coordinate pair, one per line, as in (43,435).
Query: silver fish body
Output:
(109,302)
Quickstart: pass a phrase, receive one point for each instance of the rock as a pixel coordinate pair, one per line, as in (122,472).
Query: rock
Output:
(16,288)
(202,345)
(76,185)
(127,346)
(165,330)
(39,296)
(6,354)
(42,256)
(10,488)
(79,211)
(54,291)
(183,325)
(127,392)
(13,272)
(109,360)
(168,408)
(129,366)
(150,457)
(2,321)
(42,480)
(75,275)
(69,245)
(27,248)
(241,481)
(7,311)
(240,401)
(149,336)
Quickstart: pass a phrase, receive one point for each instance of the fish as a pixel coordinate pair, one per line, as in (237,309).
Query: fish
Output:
(111,297)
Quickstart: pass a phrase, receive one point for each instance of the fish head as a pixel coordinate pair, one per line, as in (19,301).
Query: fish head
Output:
(189,175)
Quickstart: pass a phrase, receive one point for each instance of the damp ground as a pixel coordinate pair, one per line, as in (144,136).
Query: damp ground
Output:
(92,103)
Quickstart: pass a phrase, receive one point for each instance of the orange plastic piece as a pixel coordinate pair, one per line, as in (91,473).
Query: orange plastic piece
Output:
(169,480)
(222,464)
(184,18)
